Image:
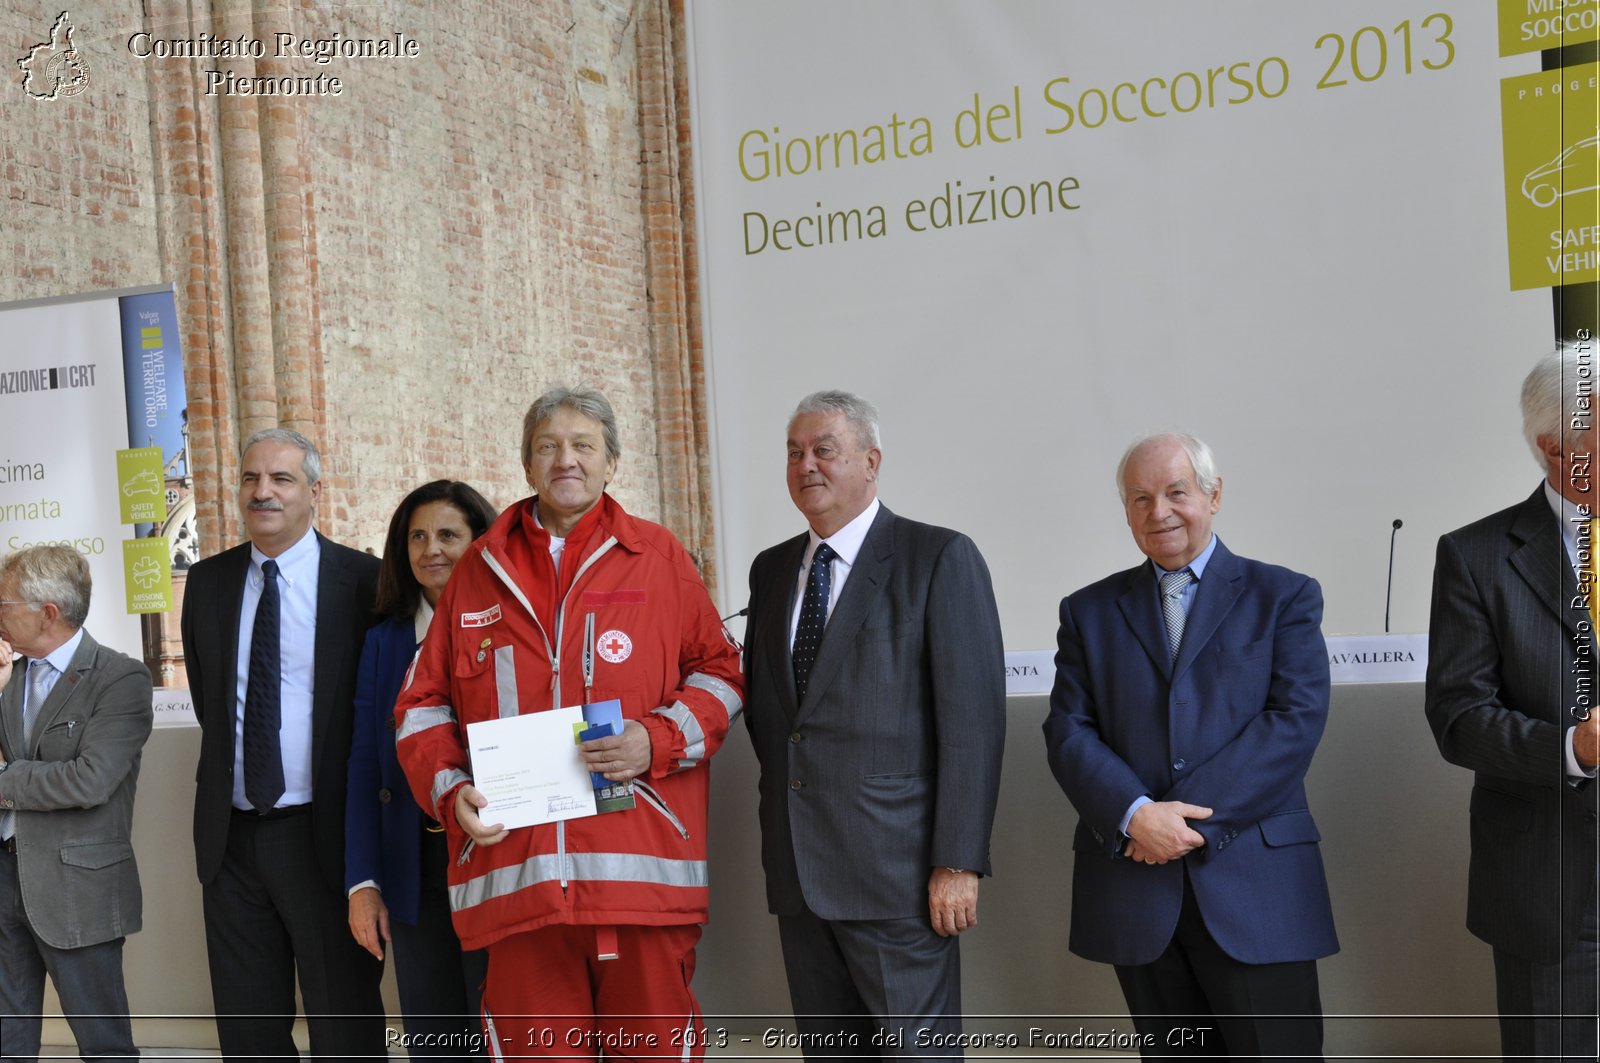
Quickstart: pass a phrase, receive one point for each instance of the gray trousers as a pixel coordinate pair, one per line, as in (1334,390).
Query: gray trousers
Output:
(88,980)
(872,989)
(1549,1011)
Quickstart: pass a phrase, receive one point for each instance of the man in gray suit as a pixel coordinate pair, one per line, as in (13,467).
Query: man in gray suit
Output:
(877,710)
(74,716)
(1511,694)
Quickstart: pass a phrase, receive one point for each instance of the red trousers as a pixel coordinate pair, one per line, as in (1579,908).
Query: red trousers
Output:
(573,992)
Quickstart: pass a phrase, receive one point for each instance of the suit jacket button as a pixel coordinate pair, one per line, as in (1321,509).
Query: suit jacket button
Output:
(1179,764)
(384,796)
(388,721)
(1588,817)
(795,737)
(796,785)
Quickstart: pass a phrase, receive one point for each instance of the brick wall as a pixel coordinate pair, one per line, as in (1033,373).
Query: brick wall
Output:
(395,271)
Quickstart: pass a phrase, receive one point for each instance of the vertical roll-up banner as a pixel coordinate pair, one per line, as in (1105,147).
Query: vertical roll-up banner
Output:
(92,456)
(155,462)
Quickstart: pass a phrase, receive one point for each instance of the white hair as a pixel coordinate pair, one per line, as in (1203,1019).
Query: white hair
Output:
(1201,460)
(1551,395)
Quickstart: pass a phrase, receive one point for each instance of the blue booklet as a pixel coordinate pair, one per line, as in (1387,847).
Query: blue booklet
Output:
(604,719)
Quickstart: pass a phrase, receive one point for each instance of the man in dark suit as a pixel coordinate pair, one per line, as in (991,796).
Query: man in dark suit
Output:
(1190,695)
(272,634)
(74,717)
(877,711)
(1511,693)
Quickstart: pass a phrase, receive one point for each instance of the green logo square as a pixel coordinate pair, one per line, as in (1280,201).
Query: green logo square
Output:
(1550,125)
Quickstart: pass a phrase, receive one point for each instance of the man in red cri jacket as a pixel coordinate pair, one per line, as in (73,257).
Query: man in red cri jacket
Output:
(591,923)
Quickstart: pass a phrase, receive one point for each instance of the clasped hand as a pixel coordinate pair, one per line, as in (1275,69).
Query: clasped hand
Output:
(1159,832)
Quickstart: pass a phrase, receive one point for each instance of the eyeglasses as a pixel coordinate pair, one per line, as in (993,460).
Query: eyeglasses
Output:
(3,603)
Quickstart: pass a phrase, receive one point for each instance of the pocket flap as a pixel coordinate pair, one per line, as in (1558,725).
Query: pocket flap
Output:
(1290,828)
(1505,808)
(96,854)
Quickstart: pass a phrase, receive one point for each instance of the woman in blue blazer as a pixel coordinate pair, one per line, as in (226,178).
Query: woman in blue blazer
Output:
(394,856)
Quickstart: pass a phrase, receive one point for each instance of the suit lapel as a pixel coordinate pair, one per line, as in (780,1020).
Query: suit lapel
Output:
(64,691)
(1138,605)
(335,584)
(868,578)
(228,600)
(1541,559)
(1214,597)
(11,711)
(774,633)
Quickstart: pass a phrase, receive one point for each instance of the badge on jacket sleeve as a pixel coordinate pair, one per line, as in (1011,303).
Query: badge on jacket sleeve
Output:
(483,619)
(615,646)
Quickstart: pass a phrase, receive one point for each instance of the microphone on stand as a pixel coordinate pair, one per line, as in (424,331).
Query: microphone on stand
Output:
(1388,591)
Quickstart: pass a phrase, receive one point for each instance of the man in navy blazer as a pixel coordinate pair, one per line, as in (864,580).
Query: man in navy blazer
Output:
(880,737)
(1190,695)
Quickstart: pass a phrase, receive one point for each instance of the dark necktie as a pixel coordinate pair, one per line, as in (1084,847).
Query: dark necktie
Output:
(813,617)
(263,760)
(1172,585)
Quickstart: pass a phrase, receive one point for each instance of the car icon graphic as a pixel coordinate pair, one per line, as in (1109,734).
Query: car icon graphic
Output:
(1577,169)
(143,482)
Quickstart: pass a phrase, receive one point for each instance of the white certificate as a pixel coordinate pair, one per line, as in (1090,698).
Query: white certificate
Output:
(530,769)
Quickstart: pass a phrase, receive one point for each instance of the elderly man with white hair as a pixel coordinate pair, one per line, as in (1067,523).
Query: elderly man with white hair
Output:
(74,716)
(1190,694)
(1511,695)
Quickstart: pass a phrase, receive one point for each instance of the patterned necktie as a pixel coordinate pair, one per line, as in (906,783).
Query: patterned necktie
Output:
(263,760)
(813,617)
(1172,585)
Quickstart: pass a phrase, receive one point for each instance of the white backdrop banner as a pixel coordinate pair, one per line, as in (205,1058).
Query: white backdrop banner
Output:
(1034,232)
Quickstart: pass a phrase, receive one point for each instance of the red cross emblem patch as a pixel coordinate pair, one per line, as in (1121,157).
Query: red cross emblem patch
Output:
(615,646)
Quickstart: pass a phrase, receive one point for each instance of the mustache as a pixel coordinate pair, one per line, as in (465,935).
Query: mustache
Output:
(266,507)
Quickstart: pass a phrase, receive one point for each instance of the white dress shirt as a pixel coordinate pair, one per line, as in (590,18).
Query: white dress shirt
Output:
(846,542)
(297,641)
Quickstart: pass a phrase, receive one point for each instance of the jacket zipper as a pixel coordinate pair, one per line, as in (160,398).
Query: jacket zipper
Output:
(655,800)
(555,675)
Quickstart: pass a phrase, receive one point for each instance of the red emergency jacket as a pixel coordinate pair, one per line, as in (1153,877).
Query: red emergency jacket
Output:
(510,635)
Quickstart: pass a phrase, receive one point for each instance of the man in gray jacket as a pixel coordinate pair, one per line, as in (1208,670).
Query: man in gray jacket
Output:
(74,717)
